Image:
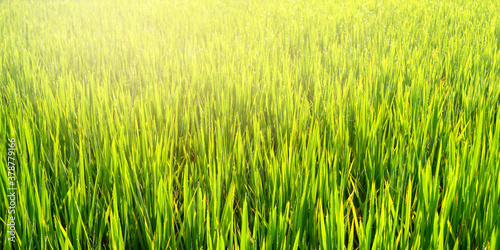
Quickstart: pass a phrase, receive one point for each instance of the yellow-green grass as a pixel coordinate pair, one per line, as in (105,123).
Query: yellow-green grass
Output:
(252,124)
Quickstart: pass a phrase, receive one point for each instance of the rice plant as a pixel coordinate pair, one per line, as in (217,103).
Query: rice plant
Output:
(221,124)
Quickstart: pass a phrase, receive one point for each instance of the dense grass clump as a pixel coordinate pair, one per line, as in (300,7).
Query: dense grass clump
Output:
(253,124)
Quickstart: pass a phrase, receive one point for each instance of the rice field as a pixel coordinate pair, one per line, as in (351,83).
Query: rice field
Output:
(219,124)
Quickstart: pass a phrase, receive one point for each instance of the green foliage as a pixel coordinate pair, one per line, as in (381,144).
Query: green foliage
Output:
(251,124)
